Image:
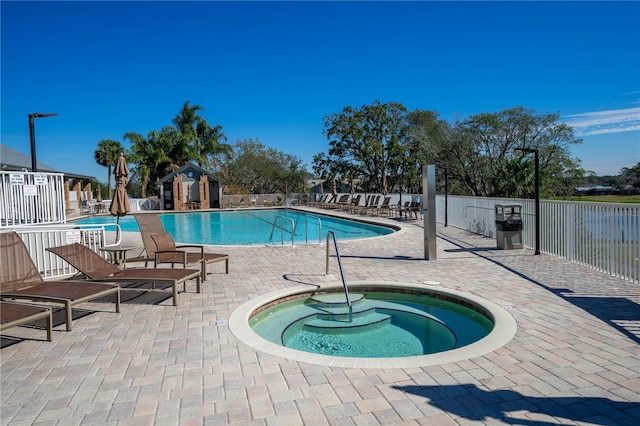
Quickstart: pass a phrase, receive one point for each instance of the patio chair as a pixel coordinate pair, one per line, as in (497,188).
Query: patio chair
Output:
(14,314)
(161,248)
(355,201)
(20,280)
(357,207)
(371,203)
(384,207)
(323,198)
(335,202)
(410,208)
(330,202)
(96,268)
(373,206)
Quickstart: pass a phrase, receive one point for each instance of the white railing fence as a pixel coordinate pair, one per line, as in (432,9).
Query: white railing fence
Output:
(28,198)
(602,236)
(39,238)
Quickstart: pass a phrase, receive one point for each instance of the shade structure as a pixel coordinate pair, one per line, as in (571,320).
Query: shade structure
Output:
(353,188)
(335,190)
(120,202)
(99,194)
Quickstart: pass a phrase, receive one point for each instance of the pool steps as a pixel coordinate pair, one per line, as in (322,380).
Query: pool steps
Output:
(362,319)
(334,312)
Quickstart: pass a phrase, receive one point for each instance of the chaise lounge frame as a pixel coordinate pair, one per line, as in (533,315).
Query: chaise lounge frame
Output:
(161,248)
(14,314)
(96,268)
(20,280)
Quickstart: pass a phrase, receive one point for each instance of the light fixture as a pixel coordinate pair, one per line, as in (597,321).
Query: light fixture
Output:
(32,136)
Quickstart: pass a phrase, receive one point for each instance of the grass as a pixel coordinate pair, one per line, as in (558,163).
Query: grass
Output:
(632,199)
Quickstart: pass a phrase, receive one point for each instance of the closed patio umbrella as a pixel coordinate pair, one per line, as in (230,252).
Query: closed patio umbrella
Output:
(99,194)
(120,202)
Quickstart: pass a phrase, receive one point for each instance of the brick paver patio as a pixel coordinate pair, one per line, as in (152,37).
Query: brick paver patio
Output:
(575,358)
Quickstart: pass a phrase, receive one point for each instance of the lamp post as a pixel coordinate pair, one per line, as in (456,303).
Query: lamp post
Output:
(446,197)
(537,193)
(32,136)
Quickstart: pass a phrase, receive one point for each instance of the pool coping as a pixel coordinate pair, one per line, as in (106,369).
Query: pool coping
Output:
(504,329)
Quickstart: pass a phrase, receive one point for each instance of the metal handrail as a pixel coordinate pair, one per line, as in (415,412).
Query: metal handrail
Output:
(344,283)
(293,229)
(306,229)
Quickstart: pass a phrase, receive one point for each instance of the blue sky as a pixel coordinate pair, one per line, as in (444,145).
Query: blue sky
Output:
(273,70)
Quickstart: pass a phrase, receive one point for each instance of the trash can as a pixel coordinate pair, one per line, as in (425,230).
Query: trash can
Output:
(509,226)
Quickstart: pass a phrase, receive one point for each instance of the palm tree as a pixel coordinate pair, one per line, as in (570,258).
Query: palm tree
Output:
(196,138)
(107,155)
(149,156)
(185,137)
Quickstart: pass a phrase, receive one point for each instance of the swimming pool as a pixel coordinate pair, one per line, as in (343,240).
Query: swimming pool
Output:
(251,227)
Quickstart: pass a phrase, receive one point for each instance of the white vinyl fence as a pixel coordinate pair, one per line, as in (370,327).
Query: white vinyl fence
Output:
(28,198)
(39,238)
(602,236)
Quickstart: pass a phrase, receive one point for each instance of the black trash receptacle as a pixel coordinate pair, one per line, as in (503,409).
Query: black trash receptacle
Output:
(508,226)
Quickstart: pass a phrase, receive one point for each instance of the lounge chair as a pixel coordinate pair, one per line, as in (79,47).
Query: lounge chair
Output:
(161,248)
(370,203)
(20,280)
(330,203)
(354,208)
(378,209)
(335,202)
(96,268)
(14,314)
(373,206)
(413,208)
(355,201)
(323,199)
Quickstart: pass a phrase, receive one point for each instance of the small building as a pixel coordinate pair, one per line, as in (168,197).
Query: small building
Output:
(630,190)
(593,190)
(190,188)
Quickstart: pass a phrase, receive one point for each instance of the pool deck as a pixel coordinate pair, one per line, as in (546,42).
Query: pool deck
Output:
(575,357)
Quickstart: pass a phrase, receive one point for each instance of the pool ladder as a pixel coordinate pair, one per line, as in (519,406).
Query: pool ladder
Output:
(306,227)
(344,282)
(294,225)
(280,219)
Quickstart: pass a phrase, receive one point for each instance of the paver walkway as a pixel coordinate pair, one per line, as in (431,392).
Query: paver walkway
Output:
(575,358)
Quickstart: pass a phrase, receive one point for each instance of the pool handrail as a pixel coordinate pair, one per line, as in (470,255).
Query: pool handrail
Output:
(293,229)
(306,228)
(344,282)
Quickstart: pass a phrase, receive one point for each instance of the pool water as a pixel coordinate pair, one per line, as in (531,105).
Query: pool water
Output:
(378,325)
(250,227)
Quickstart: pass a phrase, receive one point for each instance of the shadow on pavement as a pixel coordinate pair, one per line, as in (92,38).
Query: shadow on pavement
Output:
(472,403)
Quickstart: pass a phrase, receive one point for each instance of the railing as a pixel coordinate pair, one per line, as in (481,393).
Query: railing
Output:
(602,236)
(306,227)
(344,282)
(293,229)
(149,204)
(28,198)
(39,238)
